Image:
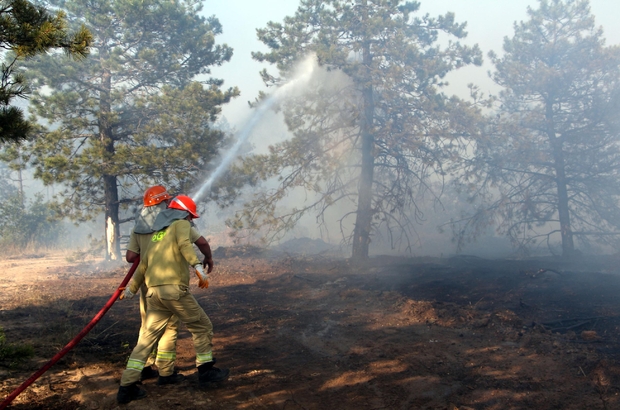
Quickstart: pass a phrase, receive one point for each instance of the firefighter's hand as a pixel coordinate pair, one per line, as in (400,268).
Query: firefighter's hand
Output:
(208,262)
(127,294)
(203,279)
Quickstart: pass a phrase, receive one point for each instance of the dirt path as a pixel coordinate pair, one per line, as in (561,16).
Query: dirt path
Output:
(315,333)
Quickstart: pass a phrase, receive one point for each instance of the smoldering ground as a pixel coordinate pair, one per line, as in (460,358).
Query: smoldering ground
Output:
(310,331)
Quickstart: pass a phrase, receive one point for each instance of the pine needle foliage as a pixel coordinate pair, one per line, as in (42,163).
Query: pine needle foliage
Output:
(28,29)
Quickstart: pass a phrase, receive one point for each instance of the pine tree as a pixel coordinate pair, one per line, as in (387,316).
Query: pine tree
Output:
(377,139)
(134,114)
(550,167)
(27,30)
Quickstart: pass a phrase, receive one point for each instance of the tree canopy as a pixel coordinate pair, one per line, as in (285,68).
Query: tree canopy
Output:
(26,30)
(133,114)
(549,166)
(373,142)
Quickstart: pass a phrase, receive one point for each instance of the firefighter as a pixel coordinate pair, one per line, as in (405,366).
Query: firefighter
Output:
(156,200)
(165,269)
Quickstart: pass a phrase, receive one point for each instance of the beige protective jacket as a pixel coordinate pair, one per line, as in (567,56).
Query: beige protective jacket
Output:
(168,257)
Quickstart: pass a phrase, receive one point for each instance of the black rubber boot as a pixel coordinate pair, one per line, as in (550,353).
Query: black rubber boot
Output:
(172,379)
(207,374)
(148,373)
(128,393)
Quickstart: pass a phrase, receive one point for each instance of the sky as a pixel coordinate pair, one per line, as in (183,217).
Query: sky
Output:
(488,22)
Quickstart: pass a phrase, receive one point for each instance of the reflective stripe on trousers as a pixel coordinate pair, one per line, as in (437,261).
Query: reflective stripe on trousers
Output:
(202,358)
(136,365)
(166,355)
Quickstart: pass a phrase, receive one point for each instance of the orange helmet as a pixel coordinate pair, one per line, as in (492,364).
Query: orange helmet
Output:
(184,203)
(155,195)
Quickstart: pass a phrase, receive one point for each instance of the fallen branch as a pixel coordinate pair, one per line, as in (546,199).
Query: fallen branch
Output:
(589,319)
(571,327)
(301,277)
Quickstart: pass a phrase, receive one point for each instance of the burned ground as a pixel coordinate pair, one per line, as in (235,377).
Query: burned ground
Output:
(314,332)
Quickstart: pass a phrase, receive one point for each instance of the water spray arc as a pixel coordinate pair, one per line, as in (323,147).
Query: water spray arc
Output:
(302,77)
(234,150)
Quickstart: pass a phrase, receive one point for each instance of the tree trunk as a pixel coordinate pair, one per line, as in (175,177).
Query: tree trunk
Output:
(20,178)
(112,232)
(110,188)
(568,246)
(363,221)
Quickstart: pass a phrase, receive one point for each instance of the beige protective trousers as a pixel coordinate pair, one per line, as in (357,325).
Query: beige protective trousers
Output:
(163,302)
(164,353)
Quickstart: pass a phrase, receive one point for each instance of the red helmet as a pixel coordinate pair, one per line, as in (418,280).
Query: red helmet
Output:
(155,195)
(184,203)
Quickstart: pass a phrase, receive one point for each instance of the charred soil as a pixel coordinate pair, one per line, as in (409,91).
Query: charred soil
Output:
(315,332)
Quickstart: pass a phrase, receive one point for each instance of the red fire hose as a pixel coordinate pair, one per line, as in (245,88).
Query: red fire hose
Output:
(75,340)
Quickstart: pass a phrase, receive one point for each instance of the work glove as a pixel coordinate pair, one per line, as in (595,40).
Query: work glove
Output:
(127,294)
(203,279)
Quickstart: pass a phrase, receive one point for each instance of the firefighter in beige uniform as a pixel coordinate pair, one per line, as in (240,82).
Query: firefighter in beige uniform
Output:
(163,355)
(165,268)
(155,200)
